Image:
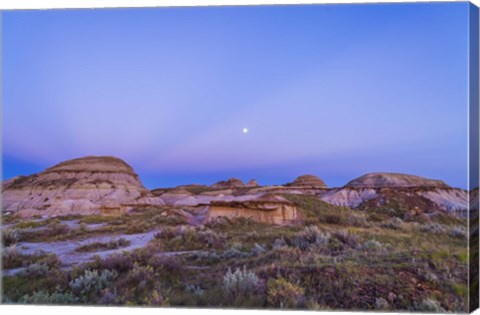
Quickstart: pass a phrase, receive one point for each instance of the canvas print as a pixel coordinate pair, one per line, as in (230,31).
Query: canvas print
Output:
(310,157)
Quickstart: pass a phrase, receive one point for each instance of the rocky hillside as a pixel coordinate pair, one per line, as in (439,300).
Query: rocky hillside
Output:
(80,186)
(400,191)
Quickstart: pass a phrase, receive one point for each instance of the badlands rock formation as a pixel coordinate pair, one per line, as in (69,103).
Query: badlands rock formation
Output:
(308,181)
(266,208)
(252,183)
(230,183)
(378,189)
(86,185)
(383,180)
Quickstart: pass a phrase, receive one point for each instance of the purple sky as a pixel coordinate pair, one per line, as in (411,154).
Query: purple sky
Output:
(332,90)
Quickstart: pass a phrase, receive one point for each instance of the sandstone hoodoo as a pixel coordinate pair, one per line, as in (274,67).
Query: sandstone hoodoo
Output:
(267,208)
(308,181)
(383,189)
(88,185)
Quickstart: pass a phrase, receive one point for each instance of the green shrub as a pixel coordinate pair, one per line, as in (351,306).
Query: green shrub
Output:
(240,282)
(194,290)
(97,246)
(120,262)
(10,237)
(92,282)
(43,297)
(36,270)
(347,238)
(283,294)
(429,305)
(28,224)
(458,231)
(310,236)
(434,228)
(373,245)
(138,276)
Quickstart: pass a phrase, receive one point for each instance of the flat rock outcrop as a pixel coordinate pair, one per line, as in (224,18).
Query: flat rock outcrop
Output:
(267,208)
(88,185)
(308,181)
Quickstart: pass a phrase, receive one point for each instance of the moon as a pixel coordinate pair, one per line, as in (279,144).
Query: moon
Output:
(245,130)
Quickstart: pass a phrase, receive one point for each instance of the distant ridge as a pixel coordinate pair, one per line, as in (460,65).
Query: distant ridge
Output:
(382,180)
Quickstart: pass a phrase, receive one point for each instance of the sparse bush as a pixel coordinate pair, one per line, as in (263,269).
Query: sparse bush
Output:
(283,294)
(97,246)
(43,297)
(211,238)
(10,237)
(434,228)
(83,227)
(357,220)
(208,256)
(373,245)
(138,277)
(240,282)
(166,264)
(429,305)
(235,252)
(56,229)
(92,282)
(458,231)
(14,258)
(279,242)
(394,223)
(253,235)
(120,262)
(28,224)
(187,238)
(258,249)
(311,235)
(347,238)
(194,290)
(36,270)
(381,304)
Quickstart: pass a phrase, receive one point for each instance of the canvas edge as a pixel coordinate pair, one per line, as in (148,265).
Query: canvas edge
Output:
(473,181)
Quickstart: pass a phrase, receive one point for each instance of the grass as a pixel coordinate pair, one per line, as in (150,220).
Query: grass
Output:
(99,246)
(338,259)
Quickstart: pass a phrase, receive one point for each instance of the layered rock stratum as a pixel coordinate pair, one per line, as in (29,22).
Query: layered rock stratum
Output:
(88,185)
(308,181)
(108,185)
(384,180)
(265,208)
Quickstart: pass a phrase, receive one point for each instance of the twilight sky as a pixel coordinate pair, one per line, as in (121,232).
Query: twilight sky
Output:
(332,90)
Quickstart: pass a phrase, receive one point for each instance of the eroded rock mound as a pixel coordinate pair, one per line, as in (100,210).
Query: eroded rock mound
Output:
(382,180)
(308,181)
(230,183)
(88,185)
(399,191)
(252,183)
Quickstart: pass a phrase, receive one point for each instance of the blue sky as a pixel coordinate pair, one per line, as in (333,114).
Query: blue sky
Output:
(332,90)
